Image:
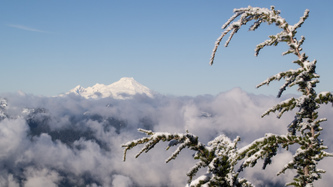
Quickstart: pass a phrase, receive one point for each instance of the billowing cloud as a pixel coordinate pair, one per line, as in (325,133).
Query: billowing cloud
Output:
(42,177)
(67,141)
(121,181)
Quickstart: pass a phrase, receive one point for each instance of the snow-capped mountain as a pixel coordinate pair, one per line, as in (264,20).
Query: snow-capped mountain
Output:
(125,88)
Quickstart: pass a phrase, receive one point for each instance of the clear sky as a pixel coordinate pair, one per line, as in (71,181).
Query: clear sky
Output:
(49,47)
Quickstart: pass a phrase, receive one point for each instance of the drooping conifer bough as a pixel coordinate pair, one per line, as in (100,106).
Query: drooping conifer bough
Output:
(221,156)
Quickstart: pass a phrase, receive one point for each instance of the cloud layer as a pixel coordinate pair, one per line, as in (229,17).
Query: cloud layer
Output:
(72,141)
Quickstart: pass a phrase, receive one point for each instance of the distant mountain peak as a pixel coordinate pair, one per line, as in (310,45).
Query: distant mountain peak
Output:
(78,89)
(125,88)
(127,79)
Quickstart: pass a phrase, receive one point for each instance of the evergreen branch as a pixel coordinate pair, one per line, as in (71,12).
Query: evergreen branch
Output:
(287,83)
(246,15)
(260,15)
(290,76)
(295,47)
(238,12)
(179,148)
(154,138)
(274,40)
(263,148)
(282,107)
(324,97)
(301,21)
(193,171)
(301,59)
(287,74)
(220,158)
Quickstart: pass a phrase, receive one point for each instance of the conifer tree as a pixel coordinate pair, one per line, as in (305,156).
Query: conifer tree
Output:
(221,155)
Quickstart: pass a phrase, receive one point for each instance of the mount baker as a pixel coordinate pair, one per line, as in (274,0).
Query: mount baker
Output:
(125,88)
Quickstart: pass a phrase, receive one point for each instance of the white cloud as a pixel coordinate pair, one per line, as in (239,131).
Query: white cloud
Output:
(22,27)
(41,177)
(77,141)
(121,181)
(12,137)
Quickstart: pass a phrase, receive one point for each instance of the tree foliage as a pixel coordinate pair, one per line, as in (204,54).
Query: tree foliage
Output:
(221,155)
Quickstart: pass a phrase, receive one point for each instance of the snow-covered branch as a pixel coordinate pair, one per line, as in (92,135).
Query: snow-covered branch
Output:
(260,15)
(282,107)
(184,140)
(324,97)
(221,155)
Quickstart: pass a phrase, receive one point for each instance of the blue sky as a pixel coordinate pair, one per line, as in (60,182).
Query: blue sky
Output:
(49,47)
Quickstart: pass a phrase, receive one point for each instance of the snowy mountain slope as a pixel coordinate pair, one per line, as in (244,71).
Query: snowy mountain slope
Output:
(125,88)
